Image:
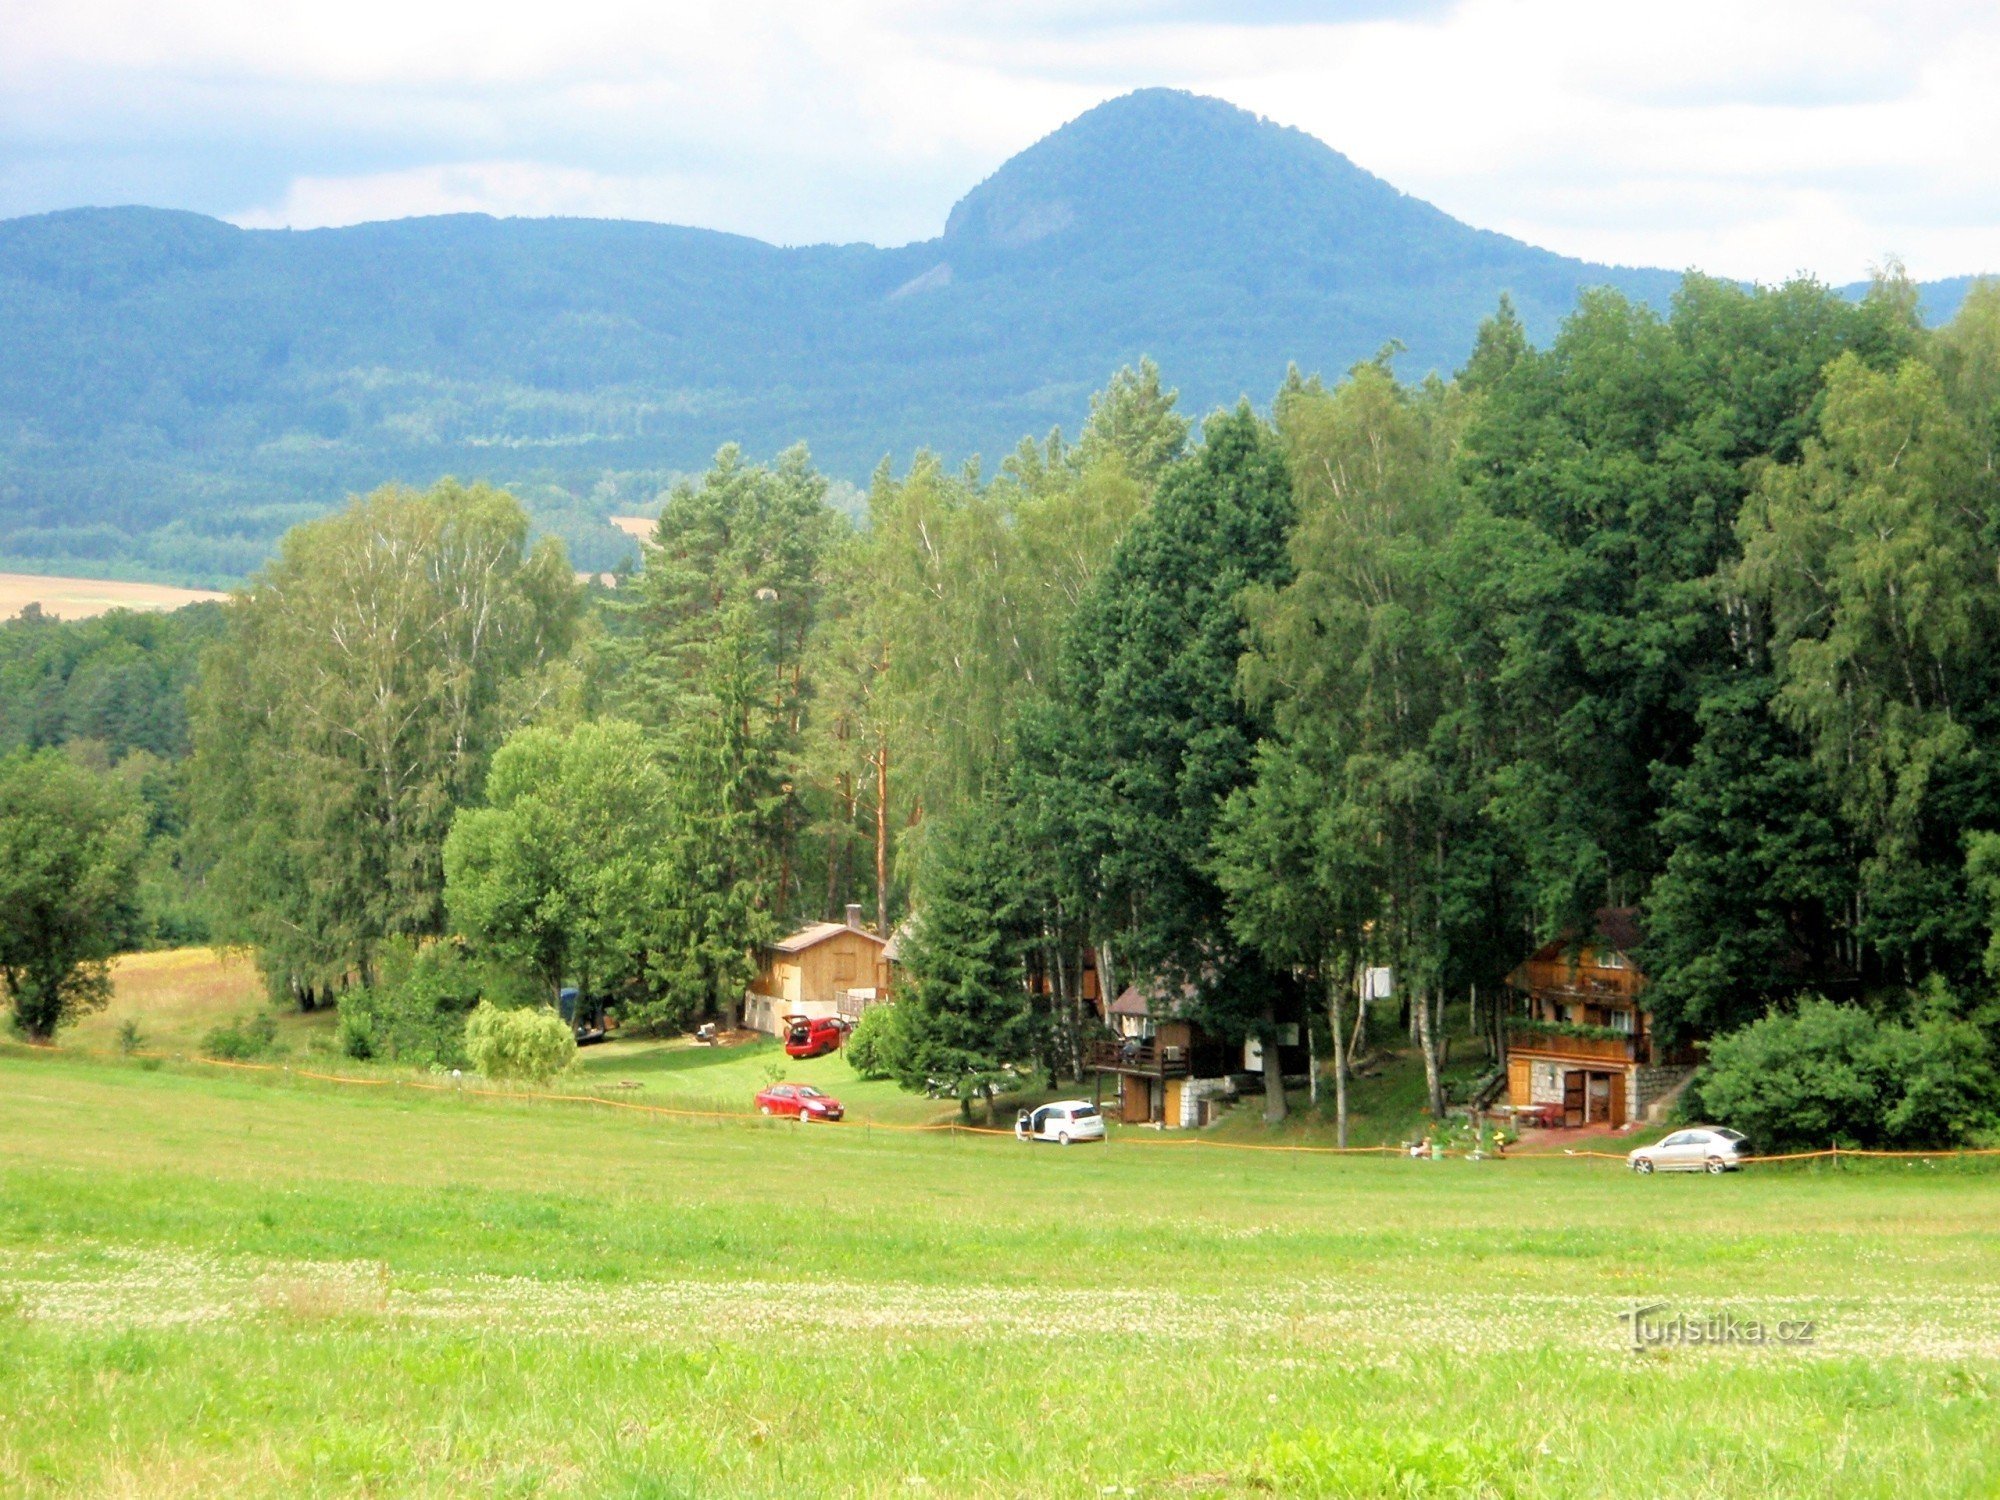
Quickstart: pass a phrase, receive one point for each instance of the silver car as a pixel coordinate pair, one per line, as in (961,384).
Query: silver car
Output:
(1705,1148)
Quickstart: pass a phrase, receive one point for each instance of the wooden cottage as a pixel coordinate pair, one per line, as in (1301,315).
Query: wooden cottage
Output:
(823,969)
(1166,1066)
(1584,1051)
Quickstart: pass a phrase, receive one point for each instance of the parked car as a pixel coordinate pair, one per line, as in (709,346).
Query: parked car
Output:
(1706,1148)
(800,1101)
(1064,1121)
(809,1036)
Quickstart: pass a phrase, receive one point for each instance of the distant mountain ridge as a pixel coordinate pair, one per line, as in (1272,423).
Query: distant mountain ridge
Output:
(174,390)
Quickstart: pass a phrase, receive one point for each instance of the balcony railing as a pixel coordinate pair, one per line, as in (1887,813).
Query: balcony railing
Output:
(1148,1058)
(1555,1044)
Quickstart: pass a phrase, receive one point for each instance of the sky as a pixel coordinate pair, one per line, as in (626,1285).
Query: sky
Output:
(1747,138)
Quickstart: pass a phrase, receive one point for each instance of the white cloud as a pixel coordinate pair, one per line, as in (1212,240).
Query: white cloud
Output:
(1748,140)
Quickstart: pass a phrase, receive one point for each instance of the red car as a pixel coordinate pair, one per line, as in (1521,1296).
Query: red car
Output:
(801,1101)
(806,1037)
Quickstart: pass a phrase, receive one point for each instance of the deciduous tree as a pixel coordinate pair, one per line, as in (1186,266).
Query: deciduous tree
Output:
(70,845)
(365,678)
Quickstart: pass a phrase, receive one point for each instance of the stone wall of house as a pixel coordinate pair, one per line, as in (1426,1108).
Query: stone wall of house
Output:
(1651,1085)
(1545,1082)
(1197,1089)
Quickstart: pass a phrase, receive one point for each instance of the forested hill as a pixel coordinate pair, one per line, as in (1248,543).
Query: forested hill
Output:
(175,391)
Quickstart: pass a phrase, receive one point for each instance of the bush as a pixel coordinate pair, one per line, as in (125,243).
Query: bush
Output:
(531,1044)
(415,1012)
(874,1049)
(242,1039)
(1831,1073)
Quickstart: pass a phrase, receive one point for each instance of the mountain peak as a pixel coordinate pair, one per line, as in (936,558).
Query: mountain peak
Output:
(1161,162)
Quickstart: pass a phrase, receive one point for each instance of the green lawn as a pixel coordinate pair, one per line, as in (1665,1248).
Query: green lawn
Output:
(251,1285)
(682,1075)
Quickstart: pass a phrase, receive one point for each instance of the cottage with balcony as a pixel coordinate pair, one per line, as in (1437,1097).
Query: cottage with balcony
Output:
(1169,1071)
(1584,1053)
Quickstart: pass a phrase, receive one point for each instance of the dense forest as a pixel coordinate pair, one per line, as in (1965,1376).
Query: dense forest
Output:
(1691,612)
(176,392)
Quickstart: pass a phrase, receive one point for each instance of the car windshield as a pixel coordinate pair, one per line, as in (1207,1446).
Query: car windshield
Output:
(809,1092)
(1730,1135)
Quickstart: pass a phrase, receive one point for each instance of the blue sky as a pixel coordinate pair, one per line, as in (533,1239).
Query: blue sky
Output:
(1745,137)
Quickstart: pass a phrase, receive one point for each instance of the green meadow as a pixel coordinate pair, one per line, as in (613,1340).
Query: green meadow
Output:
(251,1285)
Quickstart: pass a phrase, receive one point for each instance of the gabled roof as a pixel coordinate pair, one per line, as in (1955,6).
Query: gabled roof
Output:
(1139,1000)
(1615,929)
(815,933)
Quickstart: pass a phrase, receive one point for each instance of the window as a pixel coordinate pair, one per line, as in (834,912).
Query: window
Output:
(1621,1020)
(1611,960)
(1083,1112)
(1681,1139)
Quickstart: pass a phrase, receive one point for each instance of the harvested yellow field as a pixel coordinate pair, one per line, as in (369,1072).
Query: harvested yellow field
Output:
(639,528)
(177,996)
(82,598)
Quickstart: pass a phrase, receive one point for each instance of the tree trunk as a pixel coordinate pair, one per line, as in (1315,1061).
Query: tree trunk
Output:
(1427,1043)
(882,838)
(1274,1070)
(1336,993)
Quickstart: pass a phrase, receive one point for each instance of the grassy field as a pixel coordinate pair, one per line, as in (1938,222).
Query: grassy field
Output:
(176,998)
(83,598)
(682,1075)
(257,1285)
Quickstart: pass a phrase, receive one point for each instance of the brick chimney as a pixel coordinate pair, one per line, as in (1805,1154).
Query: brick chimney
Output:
(854,915)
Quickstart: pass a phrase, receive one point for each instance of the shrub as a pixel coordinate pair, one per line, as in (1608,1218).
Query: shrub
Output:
(874,1049)
(1831,1073)
(129,1038)
(242,1039)
(530,1044)
(415,1012)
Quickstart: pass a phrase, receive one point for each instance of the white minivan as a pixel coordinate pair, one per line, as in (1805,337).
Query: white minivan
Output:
(1064,1121)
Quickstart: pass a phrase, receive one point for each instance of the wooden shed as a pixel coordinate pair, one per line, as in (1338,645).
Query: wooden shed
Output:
(823,969)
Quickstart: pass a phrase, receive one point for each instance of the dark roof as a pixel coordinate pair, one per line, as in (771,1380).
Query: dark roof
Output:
(1139,1000)
(1615,928)
(1618,927)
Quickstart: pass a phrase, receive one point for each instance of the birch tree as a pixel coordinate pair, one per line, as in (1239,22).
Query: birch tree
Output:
(363,682)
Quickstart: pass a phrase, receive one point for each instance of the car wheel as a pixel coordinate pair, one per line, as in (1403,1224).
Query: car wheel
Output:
(1717,1166)
(763,1109)
(1063,1138)
(1643,1166)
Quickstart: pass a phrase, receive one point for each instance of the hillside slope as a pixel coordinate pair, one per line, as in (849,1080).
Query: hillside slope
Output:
(175,391)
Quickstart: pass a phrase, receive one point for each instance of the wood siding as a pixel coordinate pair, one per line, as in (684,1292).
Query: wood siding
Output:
(1601,978)
(845,961)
